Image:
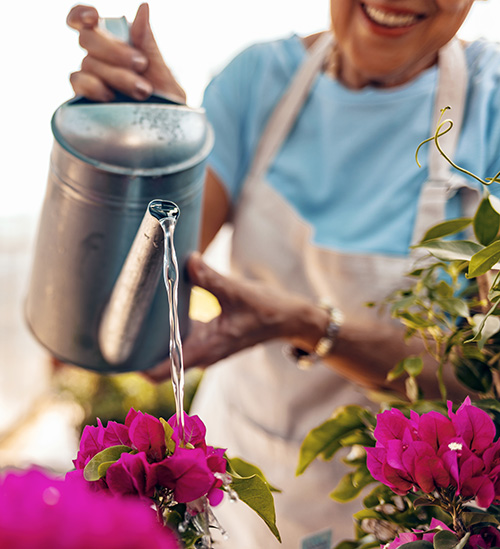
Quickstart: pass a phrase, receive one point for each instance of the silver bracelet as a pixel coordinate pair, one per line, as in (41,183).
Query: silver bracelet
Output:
(304,359)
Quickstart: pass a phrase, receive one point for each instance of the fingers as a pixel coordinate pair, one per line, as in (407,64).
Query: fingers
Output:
(82,17)
(105,47)
(117,78)
(111,64)
(90,87)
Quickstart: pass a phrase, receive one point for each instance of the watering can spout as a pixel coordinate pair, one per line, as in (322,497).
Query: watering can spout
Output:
(136,285)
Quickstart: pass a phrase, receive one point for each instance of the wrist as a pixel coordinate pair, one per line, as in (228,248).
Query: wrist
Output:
(320,337)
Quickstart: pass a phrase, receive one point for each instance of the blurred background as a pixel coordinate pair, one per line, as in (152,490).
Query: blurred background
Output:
(42,408)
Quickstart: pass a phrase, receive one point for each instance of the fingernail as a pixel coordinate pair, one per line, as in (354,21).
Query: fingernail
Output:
(88,17)
(139,63)
(144,89)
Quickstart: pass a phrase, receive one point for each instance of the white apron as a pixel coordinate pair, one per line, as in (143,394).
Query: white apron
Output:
(258,404)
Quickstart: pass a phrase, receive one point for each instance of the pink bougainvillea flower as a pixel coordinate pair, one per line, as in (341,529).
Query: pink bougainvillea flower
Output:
(96,439)
(91,443)
(186,473)
(430,452)
(416,535)
(147,435)
(404,537)
(116,434)
(131,475)
(487,538)
(425,467)
(435,429)
(396,479)
(474,425)
(392,424)
(38,510)
(194,430)
(435,525)
(217,464)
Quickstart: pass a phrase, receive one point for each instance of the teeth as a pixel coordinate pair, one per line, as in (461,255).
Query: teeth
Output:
(390,19)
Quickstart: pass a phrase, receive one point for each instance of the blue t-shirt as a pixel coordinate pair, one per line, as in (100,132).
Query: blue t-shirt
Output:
(348,165)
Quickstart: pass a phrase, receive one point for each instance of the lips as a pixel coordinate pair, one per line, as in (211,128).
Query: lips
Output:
(390,19)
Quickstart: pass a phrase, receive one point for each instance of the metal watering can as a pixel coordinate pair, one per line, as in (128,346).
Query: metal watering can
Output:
(94,298)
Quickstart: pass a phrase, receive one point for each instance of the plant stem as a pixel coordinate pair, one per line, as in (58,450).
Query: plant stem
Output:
(484,285)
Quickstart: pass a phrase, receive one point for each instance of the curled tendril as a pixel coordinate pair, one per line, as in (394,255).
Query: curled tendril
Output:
(443,127)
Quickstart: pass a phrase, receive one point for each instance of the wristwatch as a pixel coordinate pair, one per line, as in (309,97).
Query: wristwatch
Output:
(304,359)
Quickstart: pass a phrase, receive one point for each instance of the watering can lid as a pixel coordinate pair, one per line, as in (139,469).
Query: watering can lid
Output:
(155,137)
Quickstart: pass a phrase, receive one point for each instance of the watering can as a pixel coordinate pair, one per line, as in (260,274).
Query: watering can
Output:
(94,297)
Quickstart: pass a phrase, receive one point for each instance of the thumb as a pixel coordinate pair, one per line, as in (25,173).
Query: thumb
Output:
(142,37)
(207,278)
(157,71)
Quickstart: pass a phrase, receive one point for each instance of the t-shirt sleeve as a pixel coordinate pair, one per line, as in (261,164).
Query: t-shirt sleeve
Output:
(491,114)
(228,104)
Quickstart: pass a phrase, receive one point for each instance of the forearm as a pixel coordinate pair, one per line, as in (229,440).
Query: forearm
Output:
(366,357)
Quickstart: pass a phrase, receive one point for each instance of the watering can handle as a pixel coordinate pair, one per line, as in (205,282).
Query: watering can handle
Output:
(119,27)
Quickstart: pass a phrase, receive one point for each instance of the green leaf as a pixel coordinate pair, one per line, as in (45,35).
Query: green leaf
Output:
(455,306)
(486,222)
(420,544)
(474,374)
(256,494)
(484,327)
(424,502)
(414,321)
(347,545)
(413,365)
(474,518)
(377,495)
(103,468)
(463,541)
(397,371)
(483,260)
(452,250)
(488,404)
(412,389)
(447,228)
(444,289)
(242,468)
(169,431)
(445,540)
(324,440)
(350,485)
(357,438)
(111,454)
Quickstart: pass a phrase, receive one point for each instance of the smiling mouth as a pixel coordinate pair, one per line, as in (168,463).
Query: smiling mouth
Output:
(390,19)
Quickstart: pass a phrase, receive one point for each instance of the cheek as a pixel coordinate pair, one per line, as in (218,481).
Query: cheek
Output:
(454,6)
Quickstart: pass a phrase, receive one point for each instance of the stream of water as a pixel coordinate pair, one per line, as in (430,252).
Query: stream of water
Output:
(167,214)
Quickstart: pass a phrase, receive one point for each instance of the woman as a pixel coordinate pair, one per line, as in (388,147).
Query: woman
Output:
(314,166)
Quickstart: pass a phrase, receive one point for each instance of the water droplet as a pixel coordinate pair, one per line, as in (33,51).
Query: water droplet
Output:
(51,495)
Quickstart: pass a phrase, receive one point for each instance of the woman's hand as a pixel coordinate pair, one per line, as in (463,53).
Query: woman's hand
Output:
(251,312)
(112,65)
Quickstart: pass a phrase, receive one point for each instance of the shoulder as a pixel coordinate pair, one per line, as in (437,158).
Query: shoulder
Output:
(281,55)
(483,59)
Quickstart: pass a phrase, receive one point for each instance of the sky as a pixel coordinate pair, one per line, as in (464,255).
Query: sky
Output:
(197,37)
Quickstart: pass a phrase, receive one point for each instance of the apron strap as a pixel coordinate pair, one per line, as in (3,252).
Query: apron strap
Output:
(443,181)
(284,115)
